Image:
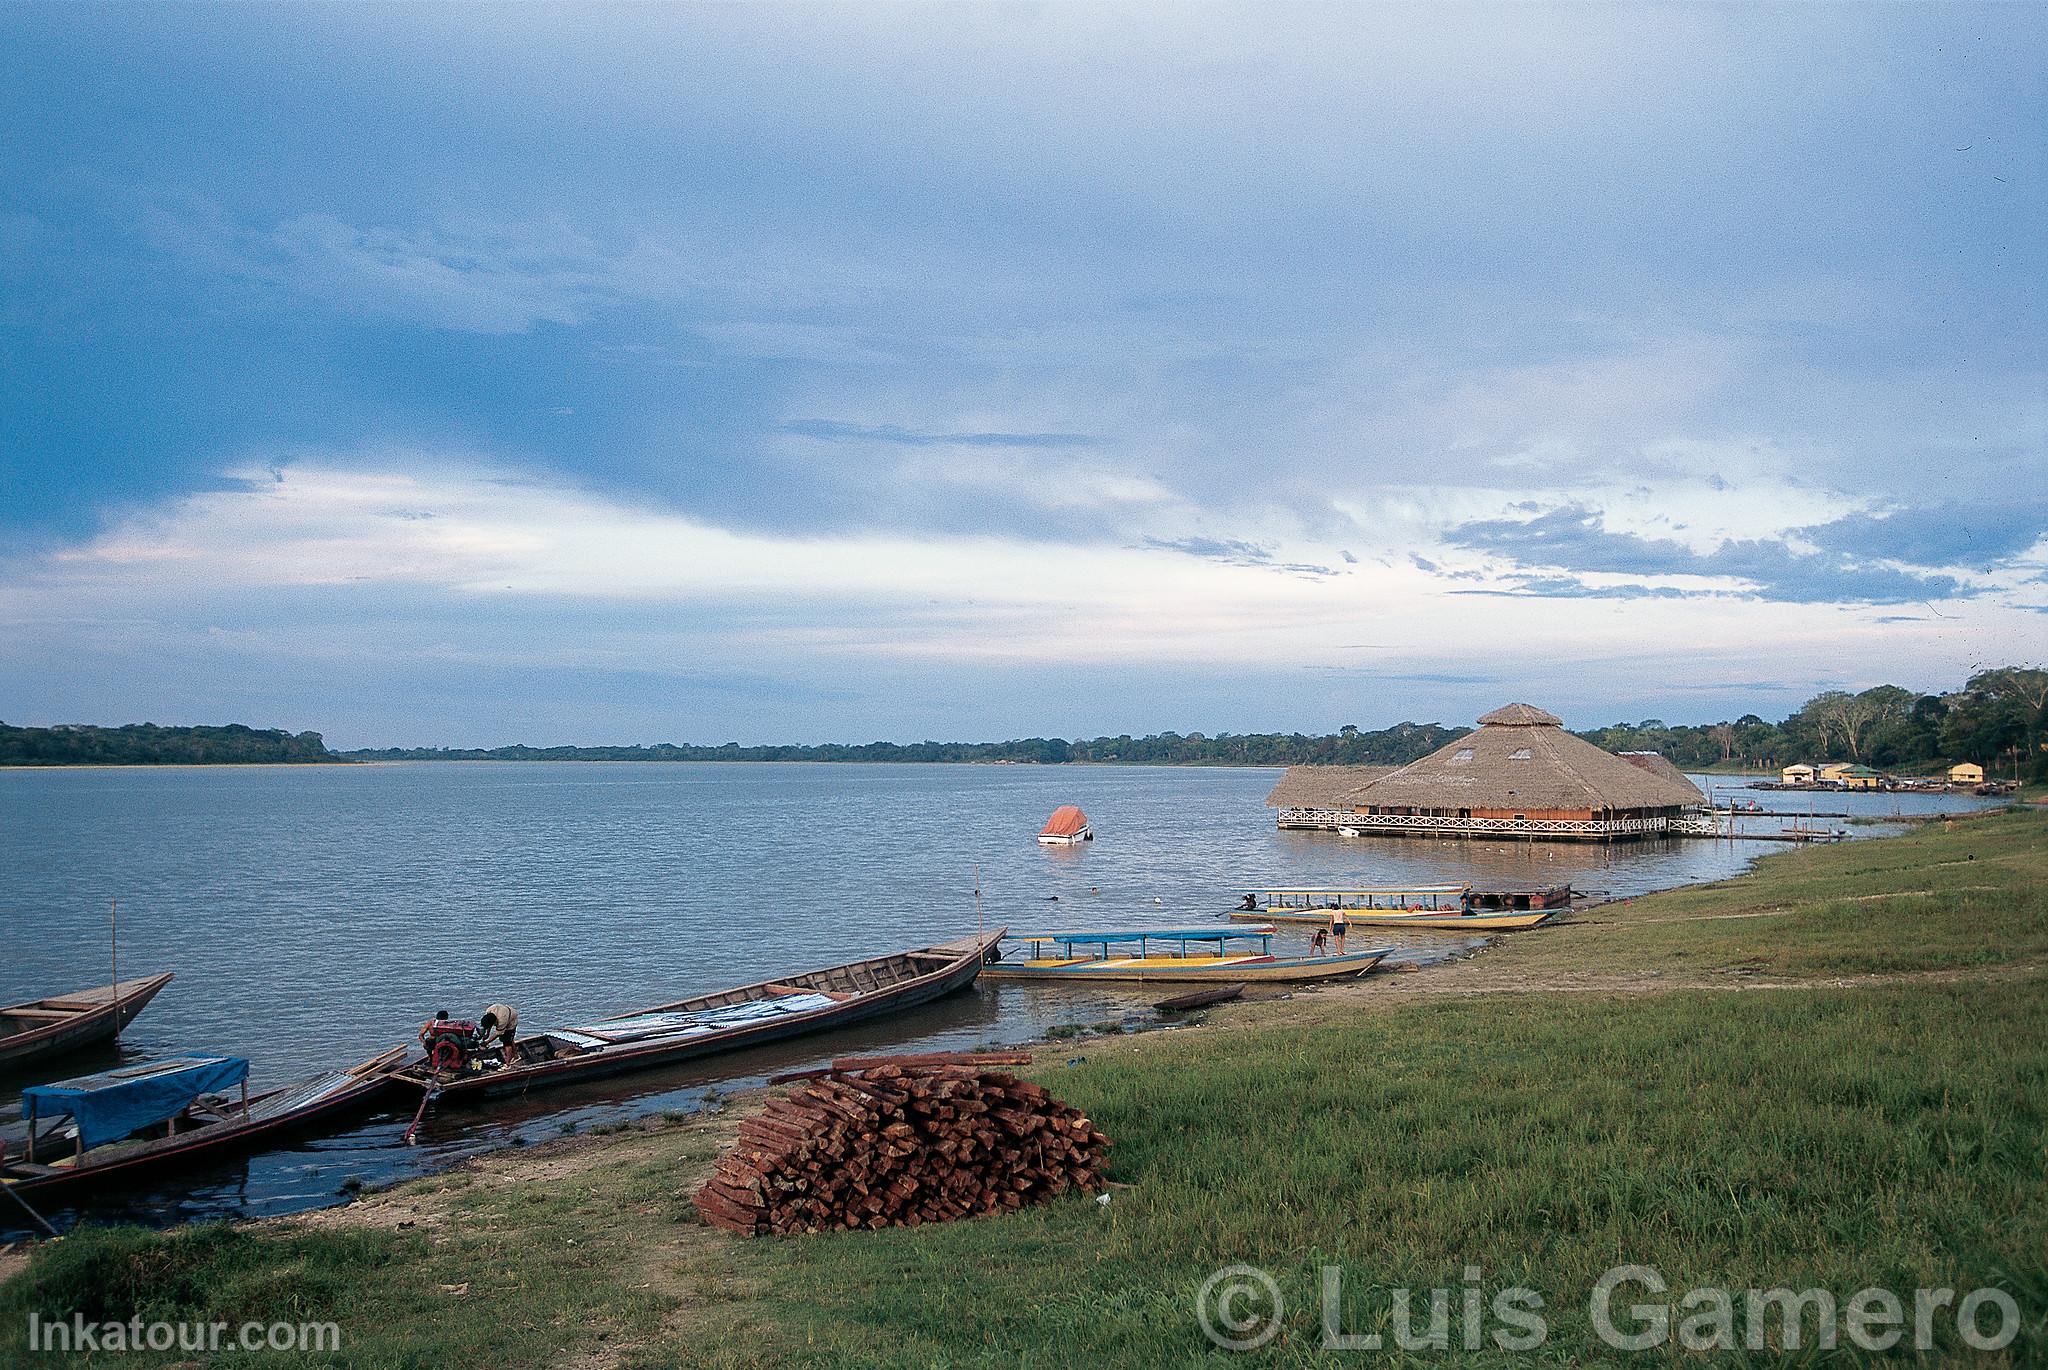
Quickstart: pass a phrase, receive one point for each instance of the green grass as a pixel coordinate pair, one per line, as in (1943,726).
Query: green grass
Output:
(1934,899)
(1890,1133)
(1837,1139)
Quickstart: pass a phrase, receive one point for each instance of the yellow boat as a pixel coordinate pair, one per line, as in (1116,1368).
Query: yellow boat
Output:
(1183,968)
(1475,921)
(1452,908)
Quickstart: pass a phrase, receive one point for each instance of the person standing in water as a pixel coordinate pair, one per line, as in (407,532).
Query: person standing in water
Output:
(1338,927)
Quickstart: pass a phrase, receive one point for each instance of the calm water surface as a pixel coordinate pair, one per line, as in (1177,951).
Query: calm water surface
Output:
(315,915)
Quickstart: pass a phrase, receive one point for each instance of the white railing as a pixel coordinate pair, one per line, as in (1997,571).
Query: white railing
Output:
(1442,823)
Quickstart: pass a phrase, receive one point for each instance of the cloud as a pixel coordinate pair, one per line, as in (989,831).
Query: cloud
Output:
(1978,536)
(1575,538)
(481,282)
(1233,552)
(830,430)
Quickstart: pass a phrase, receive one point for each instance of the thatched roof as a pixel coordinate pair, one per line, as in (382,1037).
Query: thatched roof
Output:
(1657,764)
(1520,716)
(1521,757)
(1322,787)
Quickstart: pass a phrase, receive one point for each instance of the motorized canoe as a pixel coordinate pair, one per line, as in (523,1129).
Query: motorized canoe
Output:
(1453,908)
(768,1011)
(48,1027)
(1076,962)
(129,1123)
(1474,921)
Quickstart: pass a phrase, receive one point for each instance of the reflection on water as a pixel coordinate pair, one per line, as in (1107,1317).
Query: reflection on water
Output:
(316,915)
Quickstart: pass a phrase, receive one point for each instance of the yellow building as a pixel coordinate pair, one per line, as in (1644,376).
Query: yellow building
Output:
(1834,770)
(1966,773)
(1801,774)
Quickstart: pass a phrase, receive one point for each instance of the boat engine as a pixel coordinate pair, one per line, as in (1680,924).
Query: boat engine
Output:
(449,1043)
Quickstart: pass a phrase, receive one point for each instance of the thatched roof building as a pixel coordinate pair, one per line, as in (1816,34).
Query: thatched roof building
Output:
(1520,773)
(1656,764)
(1322,787)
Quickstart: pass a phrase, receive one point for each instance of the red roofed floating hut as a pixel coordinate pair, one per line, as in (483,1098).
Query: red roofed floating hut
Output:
(1067,826)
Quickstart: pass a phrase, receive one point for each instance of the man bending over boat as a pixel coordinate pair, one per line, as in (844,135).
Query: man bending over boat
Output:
(501,1020)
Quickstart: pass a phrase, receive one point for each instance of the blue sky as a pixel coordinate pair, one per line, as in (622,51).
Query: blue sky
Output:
(572,374)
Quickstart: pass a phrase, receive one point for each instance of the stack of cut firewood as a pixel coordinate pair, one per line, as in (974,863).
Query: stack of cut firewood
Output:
(901,1141)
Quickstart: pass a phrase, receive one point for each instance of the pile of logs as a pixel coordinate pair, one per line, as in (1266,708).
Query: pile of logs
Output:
(901,1141)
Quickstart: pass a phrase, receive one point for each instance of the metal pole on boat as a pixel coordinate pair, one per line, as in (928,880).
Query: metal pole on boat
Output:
(41,1221)
(114,951)
(977,899)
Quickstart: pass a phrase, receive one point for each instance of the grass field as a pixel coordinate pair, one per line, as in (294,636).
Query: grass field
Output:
(1831,1073)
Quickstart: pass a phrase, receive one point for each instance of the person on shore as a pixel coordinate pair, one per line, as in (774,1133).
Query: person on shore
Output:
(1338,927)
(1319,945)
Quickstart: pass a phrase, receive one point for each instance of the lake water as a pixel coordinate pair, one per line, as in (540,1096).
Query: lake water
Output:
(316,915)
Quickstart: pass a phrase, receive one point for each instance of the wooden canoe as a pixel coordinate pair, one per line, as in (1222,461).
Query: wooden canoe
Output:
(209,1129)
(768,1011)
(1441,920)
(49,1027)
(1201,998)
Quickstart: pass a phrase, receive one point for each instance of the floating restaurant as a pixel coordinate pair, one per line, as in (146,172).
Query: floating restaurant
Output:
(1520,774)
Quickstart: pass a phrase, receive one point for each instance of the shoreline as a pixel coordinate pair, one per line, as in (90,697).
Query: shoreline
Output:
(1610,1053)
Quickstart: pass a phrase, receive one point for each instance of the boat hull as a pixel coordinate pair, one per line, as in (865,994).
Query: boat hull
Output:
(95,1015)
(1252,970)
(1446,922)
(957,975)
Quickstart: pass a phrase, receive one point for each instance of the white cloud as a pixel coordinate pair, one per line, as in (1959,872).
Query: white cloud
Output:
(449,549)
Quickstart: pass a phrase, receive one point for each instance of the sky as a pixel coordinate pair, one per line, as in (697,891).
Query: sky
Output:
(466,375)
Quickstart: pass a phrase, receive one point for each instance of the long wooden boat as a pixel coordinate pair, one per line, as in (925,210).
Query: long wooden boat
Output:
(1454,908)
(729,1020)
(66,1022)
(185,1117)
(1170,968)
(1474,921)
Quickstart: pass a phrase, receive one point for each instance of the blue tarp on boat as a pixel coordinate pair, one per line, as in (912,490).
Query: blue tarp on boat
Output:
(114,1103)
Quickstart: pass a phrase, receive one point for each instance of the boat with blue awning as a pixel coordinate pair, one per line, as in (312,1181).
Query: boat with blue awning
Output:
(1170,956)
(118,1124)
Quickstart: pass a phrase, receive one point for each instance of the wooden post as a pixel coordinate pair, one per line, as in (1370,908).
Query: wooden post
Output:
(114,952)
(30,1152)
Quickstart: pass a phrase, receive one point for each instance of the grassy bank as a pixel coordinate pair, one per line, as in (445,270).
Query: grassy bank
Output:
(1831,1073)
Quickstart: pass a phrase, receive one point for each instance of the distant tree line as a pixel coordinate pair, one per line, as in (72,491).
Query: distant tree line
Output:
(1397,745)
(1998,719)
(146,744)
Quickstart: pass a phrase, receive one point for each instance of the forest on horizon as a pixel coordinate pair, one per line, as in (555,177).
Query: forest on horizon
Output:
(1998,719)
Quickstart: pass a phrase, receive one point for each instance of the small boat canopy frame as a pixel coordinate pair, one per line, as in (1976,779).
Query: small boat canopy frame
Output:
(1363,897)
(1220,937)
(115,1103)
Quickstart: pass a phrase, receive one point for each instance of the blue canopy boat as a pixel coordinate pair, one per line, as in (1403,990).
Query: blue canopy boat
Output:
(162,1113)
(1164,956)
